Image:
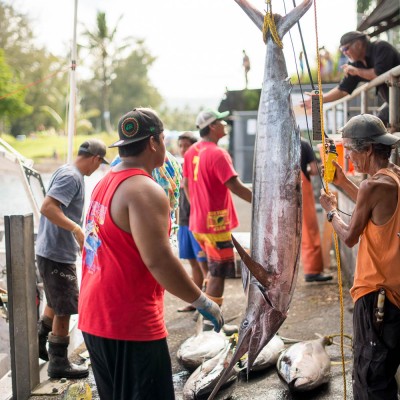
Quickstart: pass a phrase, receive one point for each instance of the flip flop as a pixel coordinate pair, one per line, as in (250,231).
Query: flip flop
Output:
(188,308)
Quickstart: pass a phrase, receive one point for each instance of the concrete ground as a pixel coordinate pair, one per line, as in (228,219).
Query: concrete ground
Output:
(315,309)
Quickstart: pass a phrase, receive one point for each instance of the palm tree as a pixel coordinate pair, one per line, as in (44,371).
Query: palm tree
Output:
(103,47)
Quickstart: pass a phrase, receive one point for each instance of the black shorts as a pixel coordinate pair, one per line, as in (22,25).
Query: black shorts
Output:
(130,370)
(376,352)
(60,285)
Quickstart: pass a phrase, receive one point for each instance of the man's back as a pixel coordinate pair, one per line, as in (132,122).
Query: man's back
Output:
(208,168)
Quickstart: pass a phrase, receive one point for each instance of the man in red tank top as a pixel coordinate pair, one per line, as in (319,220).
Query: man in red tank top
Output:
(375,225)
(127,263)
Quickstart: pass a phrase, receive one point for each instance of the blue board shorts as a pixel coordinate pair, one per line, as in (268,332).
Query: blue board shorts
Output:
(188,247)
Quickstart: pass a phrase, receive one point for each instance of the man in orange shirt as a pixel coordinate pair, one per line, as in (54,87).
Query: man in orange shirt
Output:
(375,225)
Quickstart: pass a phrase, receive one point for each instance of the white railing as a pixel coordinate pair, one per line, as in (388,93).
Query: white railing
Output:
(391,78)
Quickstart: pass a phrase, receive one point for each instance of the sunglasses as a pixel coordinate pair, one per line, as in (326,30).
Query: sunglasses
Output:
(343,49)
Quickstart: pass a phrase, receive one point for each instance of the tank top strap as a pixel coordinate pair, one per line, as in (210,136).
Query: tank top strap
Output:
(388,172)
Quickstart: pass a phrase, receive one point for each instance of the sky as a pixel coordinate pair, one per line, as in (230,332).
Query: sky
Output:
(198,43)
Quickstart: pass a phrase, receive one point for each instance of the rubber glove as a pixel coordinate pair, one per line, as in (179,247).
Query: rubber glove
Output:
(209,310)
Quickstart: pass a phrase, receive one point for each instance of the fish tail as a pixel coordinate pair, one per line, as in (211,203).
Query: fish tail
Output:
(292,17)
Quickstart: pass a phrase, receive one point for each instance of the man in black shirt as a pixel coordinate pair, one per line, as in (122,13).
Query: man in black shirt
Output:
(367,60)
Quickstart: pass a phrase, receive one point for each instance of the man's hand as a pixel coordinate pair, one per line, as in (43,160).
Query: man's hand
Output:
(339,178)
(349,70)
(307,102)
(209,310)
(328,201)
(79,235)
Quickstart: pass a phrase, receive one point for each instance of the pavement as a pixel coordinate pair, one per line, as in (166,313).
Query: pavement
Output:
(315,310)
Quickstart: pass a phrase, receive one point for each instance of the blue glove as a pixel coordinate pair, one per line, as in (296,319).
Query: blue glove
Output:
(209,310)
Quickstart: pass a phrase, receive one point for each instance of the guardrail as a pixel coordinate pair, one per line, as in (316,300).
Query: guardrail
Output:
(391,78)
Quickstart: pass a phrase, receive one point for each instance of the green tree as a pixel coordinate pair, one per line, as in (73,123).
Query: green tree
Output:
(106,52)
(32,67)
(363,5)
(12,102)
(132,86)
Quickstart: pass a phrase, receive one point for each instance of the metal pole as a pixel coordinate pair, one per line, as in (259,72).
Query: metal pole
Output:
(394,116)
(72,91)
(364,102)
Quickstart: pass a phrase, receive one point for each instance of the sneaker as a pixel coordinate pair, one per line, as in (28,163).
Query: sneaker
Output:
(317,277)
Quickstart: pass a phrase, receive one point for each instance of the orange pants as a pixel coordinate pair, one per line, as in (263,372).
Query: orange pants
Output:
(311,252)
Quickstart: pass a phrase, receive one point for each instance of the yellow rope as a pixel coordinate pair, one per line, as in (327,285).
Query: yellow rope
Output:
(327,190)
(269,24)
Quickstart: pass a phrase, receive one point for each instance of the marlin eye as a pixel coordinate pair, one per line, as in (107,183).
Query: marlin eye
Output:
(245,323)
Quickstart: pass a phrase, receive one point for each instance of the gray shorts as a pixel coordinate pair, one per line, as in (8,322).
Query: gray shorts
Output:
(60,285)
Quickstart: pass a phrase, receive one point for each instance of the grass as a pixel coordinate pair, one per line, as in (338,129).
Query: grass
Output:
(43,145)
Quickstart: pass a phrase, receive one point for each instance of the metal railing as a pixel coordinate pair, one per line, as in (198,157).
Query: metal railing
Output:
(391,78)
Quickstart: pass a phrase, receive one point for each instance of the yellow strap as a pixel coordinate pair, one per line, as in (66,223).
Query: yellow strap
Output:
(327,190)
(269,24)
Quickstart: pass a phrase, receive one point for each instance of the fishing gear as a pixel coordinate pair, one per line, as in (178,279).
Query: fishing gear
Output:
(316,116)
(331,155)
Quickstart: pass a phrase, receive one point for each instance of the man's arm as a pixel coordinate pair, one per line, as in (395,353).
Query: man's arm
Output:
(367,74)
(52,211)
(236,186)
(313,168)
(366,201)
(185,184)
(333,95)
(342,181)
(148,212)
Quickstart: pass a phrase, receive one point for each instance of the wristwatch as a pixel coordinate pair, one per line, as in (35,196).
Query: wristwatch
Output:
(330,215)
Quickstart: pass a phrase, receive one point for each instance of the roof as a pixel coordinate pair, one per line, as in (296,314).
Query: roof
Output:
(385,16)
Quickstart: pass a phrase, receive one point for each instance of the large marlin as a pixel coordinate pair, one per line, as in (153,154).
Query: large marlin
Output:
(276,205)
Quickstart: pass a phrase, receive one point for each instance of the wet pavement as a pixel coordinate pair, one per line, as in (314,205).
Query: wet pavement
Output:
(315,310)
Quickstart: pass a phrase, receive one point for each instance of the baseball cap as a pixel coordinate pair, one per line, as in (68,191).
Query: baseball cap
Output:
(94,147)
(207,117)
(136,125)
(367,126)
(350,36)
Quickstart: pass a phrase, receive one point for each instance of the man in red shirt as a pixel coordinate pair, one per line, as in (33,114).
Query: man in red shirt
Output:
(209,179)
(127,263)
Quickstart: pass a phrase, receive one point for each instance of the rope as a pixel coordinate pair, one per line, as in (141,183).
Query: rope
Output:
(34,83)
(327,191)
(269,25)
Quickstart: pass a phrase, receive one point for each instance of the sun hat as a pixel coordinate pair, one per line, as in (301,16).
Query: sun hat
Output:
(207,117)
(367,126)
(136,125)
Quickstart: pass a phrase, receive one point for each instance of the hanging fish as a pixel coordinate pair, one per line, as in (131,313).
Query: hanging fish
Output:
(270,273)
(305,365)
